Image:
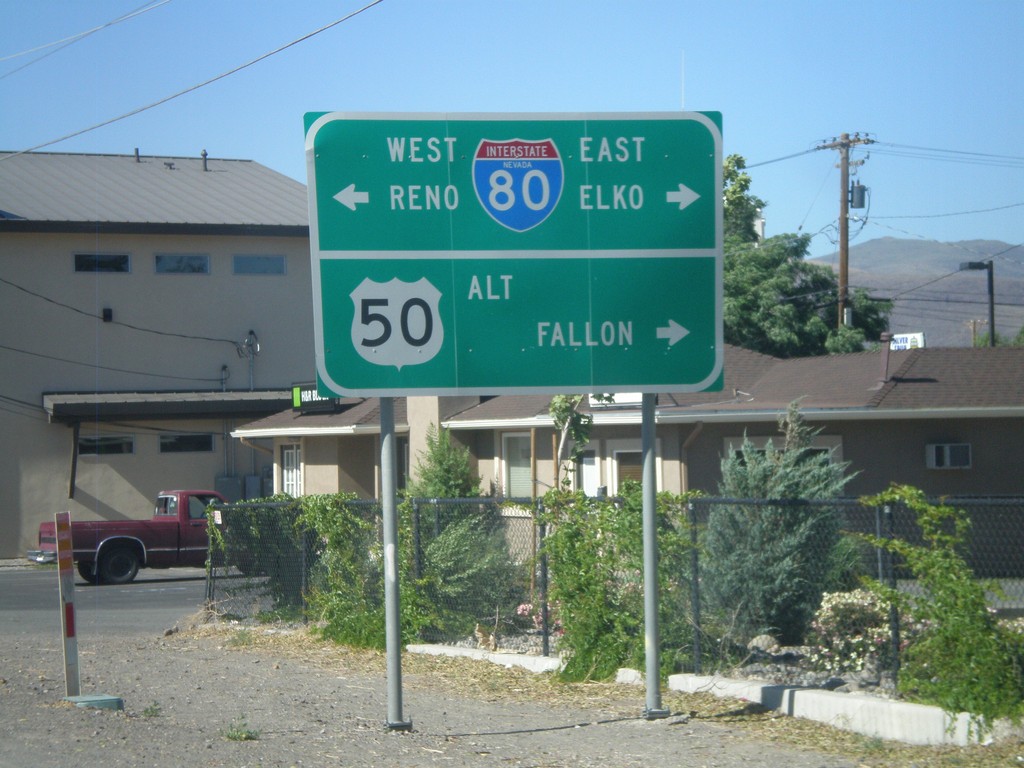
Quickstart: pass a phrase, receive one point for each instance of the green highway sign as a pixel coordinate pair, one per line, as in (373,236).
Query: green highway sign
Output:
(491,254)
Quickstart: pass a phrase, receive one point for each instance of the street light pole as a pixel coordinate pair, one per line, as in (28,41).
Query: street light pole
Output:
(988,267)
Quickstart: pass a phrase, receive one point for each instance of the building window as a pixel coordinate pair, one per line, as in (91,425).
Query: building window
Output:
(291,470)
(182,264)
(626,462)
(629,465)
(186,443)
(103,445)
(517,480)
(103,262)
(948,456)
(255,264)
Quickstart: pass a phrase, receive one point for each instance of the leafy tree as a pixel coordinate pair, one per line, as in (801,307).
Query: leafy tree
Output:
(572,425)
(767,565)
(742,209)
(444,470)
(775,301)
(772,298)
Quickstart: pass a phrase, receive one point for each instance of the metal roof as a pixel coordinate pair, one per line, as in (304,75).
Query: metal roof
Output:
(43,191)
(71,407)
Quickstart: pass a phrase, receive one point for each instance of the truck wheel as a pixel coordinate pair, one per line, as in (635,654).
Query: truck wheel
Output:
(88,572)
(118,565)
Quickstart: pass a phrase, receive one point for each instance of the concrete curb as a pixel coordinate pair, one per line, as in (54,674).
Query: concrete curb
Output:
(917,724)
(20,563)
(531,663)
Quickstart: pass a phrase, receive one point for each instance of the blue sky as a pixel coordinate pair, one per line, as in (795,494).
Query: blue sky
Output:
(786,76)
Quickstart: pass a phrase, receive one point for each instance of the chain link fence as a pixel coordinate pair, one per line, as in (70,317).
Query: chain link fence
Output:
(475,562)
(476,568)
(763,565)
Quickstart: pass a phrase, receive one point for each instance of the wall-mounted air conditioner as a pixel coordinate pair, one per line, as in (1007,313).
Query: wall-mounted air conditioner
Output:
(948,455)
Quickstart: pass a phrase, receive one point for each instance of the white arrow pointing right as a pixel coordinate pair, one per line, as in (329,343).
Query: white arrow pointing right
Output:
(673,332)
(350,198)
(684,196)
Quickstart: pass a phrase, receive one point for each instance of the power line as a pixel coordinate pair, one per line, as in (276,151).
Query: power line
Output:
(71,40)
(104,367)
(94,316)
(950,155)
(923,285)
(196,87)
(780,159)
(956,213)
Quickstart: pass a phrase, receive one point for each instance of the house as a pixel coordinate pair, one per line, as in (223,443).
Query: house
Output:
(149,306)
(948,421)
(157,312)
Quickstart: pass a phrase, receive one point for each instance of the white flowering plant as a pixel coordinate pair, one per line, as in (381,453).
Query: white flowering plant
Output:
(849,631)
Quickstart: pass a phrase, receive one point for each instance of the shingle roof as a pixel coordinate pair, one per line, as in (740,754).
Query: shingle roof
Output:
(986,377)
(40,190)
(358,416)
(925,381)
(922,380)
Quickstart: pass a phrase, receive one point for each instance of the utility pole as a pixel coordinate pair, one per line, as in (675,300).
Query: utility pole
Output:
(843,144)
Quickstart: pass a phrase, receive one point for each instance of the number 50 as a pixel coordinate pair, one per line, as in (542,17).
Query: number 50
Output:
(368,317)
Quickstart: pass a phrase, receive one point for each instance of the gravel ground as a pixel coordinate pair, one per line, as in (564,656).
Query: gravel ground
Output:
(216,695)
(191,697)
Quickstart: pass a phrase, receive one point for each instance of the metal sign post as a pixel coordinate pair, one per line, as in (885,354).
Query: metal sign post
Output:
(392,604)
(652,638)
(460,254)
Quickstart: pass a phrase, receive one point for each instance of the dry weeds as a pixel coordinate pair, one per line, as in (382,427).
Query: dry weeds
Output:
(484,681)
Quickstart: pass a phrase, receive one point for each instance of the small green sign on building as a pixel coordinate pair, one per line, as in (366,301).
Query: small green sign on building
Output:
(492,254)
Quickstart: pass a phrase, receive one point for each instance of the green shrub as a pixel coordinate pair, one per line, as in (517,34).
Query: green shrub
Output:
(595,562)
(347,587)
(444,469)
(468,575)
(965,660)
(767,565)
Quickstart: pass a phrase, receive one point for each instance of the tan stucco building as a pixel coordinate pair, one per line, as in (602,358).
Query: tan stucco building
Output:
(149,305)
(157,319)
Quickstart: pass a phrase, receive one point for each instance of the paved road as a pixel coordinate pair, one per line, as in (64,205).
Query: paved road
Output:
(29,603)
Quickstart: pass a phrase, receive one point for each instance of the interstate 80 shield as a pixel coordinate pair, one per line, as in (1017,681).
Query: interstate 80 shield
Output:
(518,183)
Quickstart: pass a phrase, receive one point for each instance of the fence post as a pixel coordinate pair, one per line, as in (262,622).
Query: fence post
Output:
(695,589)
(545,633)
(304,573)
(879,551)
(212,514)
(417,555)
(894,614)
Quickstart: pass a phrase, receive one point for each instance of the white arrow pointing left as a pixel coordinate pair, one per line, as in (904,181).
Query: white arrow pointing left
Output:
(673,332)
(350,198)
(684,196)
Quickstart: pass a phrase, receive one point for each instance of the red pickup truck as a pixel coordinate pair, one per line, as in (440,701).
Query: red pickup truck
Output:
(112,551)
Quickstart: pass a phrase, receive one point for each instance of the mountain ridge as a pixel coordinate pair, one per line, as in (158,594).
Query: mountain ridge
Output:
(932,295)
